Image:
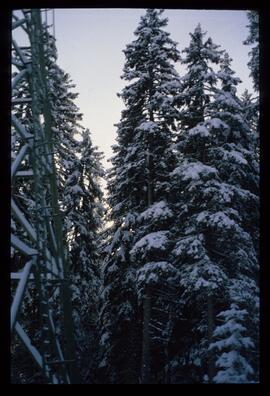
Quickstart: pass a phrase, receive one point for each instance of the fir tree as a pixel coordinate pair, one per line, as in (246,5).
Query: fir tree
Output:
(79,172)
(216,188)
(138,188)
(82,201)
(251,104)
(253,39)
(197,84)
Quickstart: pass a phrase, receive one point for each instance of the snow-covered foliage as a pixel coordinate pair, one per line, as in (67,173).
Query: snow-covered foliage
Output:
(197,84)
(231,346)
(152,275)
(156,242)
(158,211)
(185,215)
(253,39)
(194,171)
(79,172)
(215,192)
(138,183)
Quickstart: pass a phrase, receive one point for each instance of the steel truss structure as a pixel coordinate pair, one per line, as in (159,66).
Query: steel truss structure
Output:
(39,259)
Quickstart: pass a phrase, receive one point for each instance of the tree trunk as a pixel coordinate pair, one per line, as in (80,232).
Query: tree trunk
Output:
(132,376)
(150,187)
(210,315)
(146,365)
(146,356)
(146,369)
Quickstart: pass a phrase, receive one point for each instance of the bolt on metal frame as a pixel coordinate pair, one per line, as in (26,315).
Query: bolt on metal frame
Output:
(37,239)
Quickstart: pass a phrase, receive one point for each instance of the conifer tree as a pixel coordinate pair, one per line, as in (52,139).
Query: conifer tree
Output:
(251,103)
(82,202)
(79,172)
(253,39)
(216,188)
(197,84)
(138,194)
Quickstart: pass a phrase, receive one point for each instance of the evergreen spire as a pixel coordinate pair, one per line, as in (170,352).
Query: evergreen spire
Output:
(138,189)
(197,84)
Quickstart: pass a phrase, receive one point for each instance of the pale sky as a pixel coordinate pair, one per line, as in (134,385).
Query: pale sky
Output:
(90,44)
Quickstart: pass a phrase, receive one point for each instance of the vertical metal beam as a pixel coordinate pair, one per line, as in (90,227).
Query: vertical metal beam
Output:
(40,235)
(66,297)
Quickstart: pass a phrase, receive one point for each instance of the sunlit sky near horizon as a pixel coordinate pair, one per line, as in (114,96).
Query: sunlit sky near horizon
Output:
(90,44)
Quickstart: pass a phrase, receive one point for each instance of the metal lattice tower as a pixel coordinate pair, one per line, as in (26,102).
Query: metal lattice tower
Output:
(39,260)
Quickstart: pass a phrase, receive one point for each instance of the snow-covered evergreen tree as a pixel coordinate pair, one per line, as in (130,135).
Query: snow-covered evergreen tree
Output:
(197,84)
(251,103)
(215,186)
(138,193)
(253,39)
(82,202)
(66,118)
(79,172)
(239,149)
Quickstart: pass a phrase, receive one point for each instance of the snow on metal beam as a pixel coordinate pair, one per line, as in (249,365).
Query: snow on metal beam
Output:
(59,350)
(20,128)
(21,100)
(18,23)
(25,173)
(16,63)
(23,221)
(32,233)
(20,156)
(18,77)
(18,275)
(21,246)
(20,293)
(24,60)
(25,20)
